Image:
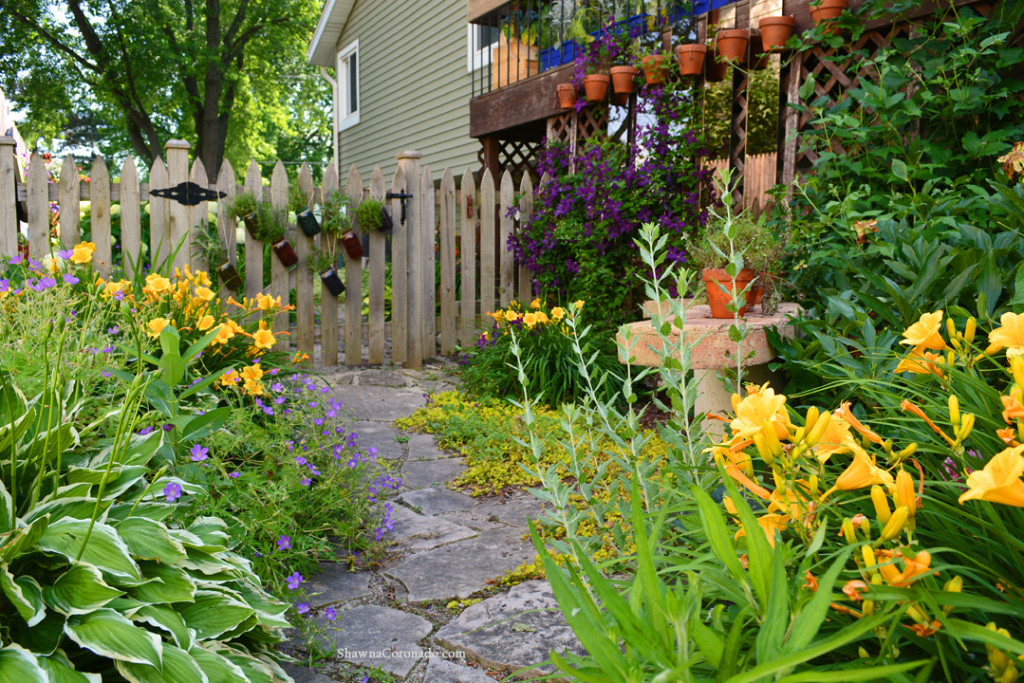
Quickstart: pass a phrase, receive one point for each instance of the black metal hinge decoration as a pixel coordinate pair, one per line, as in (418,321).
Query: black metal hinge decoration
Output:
(188,193)
(399,195)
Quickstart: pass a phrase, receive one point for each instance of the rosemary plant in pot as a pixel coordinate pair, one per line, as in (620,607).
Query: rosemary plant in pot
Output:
(337,224)
(372,215)
(270,230)
(208,246)
(299,202)
(244,208)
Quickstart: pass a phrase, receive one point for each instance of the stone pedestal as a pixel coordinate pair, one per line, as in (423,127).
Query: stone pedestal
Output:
(713,351)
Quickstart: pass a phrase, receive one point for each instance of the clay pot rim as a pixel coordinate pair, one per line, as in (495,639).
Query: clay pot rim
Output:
(565,87)
(692,47)
(599,77)
(783,20)
(734,33)
(831,4)
(721,274)
(625,69)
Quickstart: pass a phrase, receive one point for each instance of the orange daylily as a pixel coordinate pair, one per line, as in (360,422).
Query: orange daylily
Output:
(913,567)
(1008,435)
(769,525)
(921,362)
(843,411)
(156,326)
(835,439)
(861,473)
(82,252)
(263,339)
(1009,335)
(1000,480)
(925,333)
(1013,406)
(760,406)
(853,590)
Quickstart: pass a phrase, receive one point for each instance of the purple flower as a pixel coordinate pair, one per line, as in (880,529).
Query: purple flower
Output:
(144,431)
(330,614)
(168,427)
(284,543)
(305,481)
(302,607)
(113,330)
(70,279)
(299,460)
(279,400)
(276,386)
(106,373)
(65,253)
(294,581)
(234,475)
(172,491)
(110,349)
(199,453)
(16,260)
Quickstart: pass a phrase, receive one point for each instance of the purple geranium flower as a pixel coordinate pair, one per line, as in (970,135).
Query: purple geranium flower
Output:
(294,581)
(302,607)
(172,491)
(199,453)
(284,543)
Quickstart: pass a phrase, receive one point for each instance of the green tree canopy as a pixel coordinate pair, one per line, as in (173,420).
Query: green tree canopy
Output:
(229,75)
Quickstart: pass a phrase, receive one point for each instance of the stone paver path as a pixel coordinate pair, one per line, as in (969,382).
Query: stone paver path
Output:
(446,546)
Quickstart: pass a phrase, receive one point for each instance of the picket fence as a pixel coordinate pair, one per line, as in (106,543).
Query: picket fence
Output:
(758,178)
(478,219)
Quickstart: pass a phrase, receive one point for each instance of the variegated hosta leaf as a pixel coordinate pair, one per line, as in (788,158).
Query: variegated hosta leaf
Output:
(219,669)
(178,666)
(166,584)
(60,670)
(108,634)
(21,540)
(104,550)
(166,619)
(80,590)
(147,539)
(213,532)
(213,614)
(18,665)
(25,594)
(81,507)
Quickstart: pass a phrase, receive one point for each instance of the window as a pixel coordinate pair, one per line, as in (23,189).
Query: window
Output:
(481,40)
(348,86)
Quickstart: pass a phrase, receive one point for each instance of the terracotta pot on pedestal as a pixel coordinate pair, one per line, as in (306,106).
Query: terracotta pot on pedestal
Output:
(718,299)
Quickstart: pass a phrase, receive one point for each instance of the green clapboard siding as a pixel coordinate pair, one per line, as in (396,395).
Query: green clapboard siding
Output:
(415,86)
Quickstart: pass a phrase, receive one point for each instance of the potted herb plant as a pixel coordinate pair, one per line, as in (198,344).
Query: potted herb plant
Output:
(244,208)
(338,225)
(323,262)
(299,203)
(372,215)
(208,246)
(270,230)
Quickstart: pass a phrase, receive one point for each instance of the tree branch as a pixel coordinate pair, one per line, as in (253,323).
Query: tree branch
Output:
(50,38)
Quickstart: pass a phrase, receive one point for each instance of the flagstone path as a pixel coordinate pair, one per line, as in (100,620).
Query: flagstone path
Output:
(446,546)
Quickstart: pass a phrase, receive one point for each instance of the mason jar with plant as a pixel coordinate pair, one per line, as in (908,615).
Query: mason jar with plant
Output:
(323,262)
(244,208)
(207,245)
(299,201)
(337,223)
(270,230)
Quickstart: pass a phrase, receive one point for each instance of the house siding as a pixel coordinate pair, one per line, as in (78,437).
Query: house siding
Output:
(414,89)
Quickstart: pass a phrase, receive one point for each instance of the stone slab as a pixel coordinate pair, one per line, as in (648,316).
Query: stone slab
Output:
(371,635)
(416,533)
(382,404)
(382,378)
(423,473)
(381,437)
(514,511)
(513,631)
(714,350)
(435,500)
(304,674)
(335,583)
(439,670)
(432,575)
(474,520)
(424,447)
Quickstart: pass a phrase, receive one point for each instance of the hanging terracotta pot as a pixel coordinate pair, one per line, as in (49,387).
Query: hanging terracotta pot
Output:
(718,299)
(308,222)
(332,282)
(826,11)
(714,69)
(566,96)
(691,59)
(622,79)
(654,69)
(229,276)
(775,31)
(285,253)
(732,44)
(596,87)
(352,245)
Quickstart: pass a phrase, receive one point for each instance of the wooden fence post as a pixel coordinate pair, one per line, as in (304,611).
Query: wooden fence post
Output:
(447,249)
(399,274)
(467,266)
(303,276)
(69,199)
(253,247)
(8,198)
(328,303)
(428,270)
(487,243)
(279,276)
(409,161)
(159,218)
(131,226)
(177,172)
(378,246)
(99,217)
(38,208)
(197,216)
(525,212)
(508,191)
(354,278)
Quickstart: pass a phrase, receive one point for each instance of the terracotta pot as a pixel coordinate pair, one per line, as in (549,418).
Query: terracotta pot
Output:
(654,69)
(714,69)
(285,253)
(732,44)
(622,79)
(775,31)
(718,299)
(307,222)
(691,59)
(826,11)
(332,282)
(566,96)
(352,245)
(595,86)
(229,276)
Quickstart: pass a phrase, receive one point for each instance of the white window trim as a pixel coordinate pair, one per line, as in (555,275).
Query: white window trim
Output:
(345,119)
(477,56)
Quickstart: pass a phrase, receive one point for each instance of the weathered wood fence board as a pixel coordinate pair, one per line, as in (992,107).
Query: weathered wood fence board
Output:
(758,178)
(449,258)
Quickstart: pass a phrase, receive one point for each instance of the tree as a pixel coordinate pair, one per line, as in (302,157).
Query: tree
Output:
(150,70)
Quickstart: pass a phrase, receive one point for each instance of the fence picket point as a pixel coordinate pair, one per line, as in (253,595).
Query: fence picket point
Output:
(280,278)
(506,223)
(160,244)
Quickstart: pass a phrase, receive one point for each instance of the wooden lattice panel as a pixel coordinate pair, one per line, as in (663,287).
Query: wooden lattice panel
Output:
(572,128)
(520,156)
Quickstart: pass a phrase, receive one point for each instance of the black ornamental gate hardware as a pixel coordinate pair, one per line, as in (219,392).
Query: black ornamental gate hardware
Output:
(188,193)
(399,195)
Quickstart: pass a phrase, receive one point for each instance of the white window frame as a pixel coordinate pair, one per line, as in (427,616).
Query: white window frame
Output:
(477,56)
(347,119)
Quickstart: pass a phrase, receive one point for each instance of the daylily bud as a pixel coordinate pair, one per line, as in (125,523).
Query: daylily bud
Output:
(954,585)
(771,440)
(969,330)
(894,527)
(965,428)
(905,495)
(848,532)
(762,449)
(862,653)
(812,416)
(881,503)
(906,452)
(992,349)
(917,614)
(950,329)
(950,358)
(869,555)
(735,399)
(868,608)
(887,445)
(818,430)
(954,410)
(997,659)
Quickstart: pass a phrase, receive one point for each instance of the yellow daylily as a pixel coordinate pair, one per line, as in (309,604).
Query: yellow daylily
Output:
(204,293)
(205,323)
(82,253)
(557,313)
(836,439)
(999,481)
(535,303)
(761,405)
(263,339)
(1009,335)
(530,319)
(861,473)
(921,361)
(926,332)
(156,326)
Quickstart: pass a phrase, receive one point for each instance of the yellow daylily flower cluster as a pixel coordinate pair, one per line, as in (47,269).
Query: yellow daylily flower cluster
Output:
(530,317)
